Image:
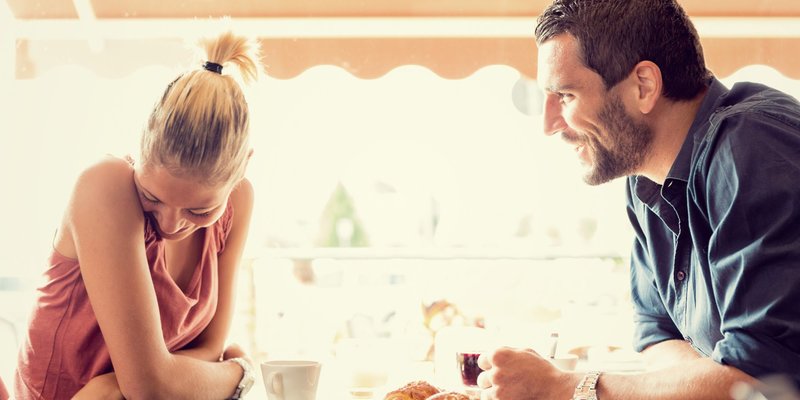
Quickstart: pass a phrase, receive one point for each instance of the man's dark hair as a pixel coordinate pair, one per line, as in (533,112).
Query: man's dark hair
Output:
(615,35)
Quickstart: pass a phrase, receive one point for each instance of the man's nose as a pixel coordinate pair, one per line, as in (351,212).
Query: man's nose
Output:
(553,120)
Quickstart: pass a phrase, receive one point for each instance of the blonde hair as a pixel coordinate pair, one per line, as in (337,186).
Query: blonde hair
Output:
(199,128)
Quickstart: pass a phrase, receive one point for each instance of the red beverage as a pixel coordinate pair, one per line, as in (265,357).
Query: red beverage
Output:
(468,365)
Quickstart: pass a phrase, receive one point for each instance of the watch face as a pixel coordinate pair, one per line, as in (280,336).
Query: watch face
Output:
(247,383)
(248,378)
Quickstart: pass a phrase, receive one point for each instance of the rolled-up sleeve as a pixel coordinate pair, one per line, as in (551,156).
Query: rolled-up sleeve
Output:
(754,251)
(652,323)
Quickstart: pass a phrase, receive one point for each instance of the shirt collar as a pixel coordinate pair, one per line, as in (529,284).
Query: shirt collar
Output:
(647,190)
(683,162)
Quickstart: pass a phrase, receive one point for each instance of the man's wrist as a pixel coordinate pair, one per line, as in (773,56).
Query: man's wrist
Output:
(587,387)
(568,384)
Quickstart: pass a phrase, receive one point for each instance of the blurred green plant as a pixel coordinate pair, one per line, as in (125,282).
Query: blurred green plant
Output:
(339,223)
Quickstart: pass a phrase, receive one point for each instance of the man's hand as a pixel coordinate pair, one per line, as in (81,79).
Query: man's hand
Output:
(515,374)
(103,387)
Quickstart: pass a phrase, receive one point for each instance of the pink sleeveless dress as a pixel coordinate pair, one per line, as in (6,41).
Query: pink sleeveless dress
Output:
(3,391)
(64,347)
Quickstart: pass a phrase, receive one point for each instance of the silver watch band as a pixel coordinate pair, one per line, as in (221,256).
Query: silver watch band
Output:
(247,378)
(587,387)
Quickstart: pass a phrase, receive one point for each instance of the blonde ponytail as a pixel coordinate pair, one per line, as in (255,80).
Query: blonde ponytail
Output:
(199,128)
(228,48)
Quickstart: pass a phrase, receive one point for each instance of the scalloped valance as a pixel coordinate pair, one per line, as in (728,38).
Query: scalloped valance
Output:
(453,38)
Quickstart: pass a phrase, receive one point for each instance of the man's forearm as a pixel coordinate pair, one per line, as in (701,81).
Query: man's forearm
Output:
(700,378)
(669,353)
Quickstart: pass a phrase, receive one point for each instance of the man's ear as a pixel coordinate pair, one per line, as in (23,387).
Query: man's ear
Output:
(646,77)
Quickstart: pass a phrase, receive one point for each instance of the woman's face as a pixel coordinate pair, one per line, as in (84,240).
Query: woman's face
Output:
(179,206)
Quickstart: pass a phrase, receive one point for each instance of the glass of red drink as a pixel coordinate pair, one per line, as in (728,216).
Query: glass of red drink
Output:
(468,366)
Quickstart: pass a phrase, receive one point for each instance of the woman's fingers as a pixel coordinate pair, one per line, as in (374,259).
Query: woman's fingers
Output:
(233,351)
(485,379)
(484,361)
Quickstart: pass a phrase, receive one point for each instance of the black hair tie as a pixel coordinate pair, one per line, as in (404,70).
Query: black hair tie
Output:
(213,67)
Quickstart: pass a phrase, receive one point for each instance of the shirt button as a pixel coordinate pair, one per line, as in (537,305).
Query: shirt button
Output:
(680,275)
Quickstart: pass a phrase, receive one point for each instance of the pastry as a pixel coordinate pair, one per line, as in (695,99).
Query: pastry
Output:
(417,390)
(449,396)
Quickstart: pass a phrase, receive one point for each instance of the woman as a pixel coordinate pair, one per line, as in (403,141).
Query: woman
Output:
(140,285)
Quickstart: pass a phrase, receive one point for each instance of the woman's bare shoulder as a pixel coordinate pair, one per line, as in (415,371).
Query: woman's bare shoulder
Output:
(106,188)
(106,169)
(107,177)
(242,195)
(103,193)
(242,202)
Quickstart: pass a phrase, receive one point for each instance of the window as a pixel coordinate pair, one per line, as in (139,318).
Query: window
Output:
(388,205)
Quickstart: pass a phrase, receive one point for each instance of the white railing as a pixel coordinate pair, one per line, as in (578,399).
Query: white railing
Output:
(434,253)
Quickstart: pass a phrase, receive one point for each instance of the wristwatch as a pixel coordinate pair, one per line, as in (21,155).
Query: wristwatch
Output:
(586,389)
(247,378)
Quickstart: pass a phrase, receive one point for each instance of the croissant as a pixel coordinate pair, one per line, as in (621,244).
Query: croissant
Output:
(449,396)
(417,390)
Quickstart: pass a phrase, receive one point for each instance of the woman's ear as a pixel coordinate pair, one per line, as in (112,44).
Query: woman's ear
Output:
(647,78)
(246,163)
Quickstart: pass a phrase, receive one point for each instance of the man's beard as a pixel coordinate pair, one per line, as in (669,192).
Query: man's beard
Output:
(627,145)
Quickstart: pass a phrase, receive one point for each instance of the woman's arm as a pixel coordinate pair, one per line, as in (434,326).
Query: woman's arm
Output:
(106,386)
(211,343)
(106,225)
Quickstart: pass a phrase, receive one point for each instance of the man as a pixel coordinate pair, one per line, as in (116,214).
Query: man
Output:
(713,185)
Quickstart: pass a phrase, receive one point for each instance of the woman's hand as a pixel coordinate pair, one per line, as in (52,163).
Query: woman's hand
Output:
(516,374)
(103,387)
(234,351)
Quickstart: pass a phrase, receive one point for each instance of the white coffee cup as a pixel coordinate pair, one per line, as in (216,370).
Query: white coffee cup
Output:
(291,379)
(565,362)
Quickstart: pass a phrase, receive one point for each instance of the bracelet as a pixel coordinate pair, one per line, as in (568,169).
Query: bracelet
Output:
(587,387)
(248,378)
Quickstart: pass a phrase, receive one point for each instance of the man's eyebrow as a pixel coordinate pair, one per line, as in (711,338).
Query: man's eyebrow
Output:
(561,88)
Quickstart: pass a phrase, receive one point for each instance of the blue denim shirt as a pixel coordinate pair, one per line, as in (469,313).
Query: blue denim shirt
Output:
(716,260)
